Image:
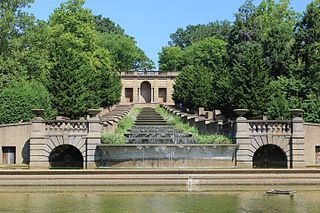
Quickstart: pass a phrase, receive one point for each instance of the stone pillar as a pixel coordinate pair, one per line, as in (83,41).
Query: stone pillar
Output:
(135,95)
(38,159)
(152,95)
(93,139)
(156,95)
(201,111)
(242,137)
(297,143)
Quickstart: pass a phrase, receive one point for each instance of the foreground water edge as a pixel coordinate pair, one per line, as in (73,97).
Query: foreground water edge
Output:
(157,199)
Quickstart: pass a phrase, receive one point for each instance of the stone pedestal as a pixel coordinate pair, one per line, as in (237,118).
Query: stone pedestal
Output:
(93,140)
(242,139)
(38,160)
(297,145)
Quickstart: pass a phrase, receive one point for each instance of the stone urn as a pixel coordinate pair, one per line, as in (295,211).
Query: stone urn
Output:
(241,112)
(38,112)
(93,112)
(296,112)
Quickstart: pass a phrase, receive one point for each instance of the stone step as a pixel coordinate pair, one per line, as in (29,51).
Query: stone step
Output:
(180,140)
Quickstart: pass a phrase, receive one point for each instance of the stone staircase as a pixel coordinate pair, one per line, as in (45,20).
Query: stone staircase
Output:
(151,128)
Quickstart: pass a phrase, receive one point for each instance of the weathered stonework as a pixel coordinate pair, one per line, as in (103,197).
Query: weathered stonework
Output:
(147,87)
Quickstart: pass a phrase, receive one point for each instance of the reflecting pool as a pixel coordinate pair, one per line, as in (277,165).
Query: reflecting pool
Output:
(172,200)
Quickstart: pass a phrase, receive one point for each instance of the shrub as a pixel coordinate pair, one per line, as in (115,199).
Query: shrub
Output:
(17,100)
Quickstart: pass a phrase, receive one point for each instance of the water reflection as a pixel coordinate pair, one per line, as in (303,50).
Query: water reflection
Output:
(131,202)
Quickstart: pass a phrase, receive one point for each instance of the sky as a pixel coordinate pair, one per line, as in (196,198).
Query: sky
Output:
(152,21)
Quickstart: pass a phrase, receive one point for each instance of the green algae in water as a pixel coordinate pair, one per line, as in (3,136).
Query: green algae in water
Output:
(166,202)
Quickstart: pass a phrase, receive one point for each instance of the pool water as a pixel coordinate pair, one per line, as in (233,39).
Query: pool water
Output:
(171,201)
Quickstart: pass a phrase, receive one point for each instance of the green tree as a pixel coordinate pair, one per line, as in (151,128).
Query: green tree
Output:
(192,88)
(13,24)
(17,100)
(271,26)
(185,37)
(251,82)
(171,58)
(125,53)
(308,46)
(209,52)
(79,64)
(106,25)
(287,93)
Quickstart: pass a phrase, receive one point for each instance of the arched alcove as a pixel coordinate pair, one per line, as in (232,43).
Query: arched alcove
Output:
(270,156)
(66,156)
(145,92)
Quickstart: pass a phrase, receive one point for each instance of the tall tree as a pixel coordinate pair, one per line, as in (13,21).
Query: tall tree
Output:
(79,64)
(185,37)
(13,24)
(251,82)
(106,25)
(124,52)
(171,58)
(269,25)
(192,88)
(308,46)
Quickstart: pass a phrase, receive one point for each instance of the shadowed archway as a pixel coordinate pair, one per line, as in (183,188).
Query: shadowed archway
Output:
(270,156)
(66,156)
(145,92)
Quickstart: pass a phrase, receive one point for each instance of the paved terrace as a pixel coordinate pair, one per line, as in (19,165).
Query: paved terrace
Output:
(161,177)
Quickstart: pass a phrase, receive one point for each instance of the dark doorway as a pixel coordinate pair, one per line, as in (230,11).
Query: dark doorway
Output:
(317,154)
(9,155)
(270,156)
(66,156)
(145,92)
(129,95)
(162,95)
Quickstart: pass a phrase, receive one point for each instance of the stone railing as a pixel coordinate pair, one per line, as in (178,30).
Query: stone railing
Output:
(149,73)
(75,126)
(283,127)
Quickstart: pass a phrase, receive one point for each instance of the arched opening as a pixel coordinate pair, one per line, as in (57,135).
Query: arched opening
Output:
(145,92)
(66,156)
(270,156)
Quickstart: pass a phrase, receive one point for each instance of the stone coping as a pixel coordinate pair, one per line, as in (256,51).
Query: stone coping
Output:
(15,124)
(235,170)
(171,145)
(312,124)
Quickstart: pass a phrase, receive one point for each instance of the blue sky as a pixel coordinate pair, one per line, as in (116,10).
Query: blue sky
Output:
(152,21)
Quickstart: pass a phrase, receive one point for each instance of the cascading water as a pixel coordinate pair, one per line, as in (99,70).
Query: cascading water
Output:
(151,128)
(152,142)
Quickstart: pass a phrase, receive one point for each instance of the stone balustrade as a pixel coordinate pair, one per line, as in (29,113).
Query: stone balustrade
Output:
(75,126)
(257,127)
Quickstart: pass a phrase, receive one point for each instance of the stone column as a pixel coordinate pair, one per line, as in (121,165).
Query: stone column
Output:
(242,137)
(152,95)
(93,139)
(201,111)
(156,95)
(135,95)
(297,143)
(38,159)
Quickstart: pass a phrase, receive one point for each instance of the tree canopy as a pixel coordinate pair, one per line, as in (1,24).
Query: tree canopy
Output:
(267,60)
(75,55)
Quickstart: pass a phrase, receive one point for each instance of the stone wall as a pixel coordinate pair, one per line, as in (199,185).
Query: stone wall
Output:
(157,81)
(312,139)
(16,135)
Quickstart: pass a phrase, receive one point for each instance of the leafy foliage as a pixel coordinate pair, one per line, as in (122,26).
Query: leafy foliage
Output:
(193,87)
(266,61)
(17,100)
(124,52)
(185,37)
